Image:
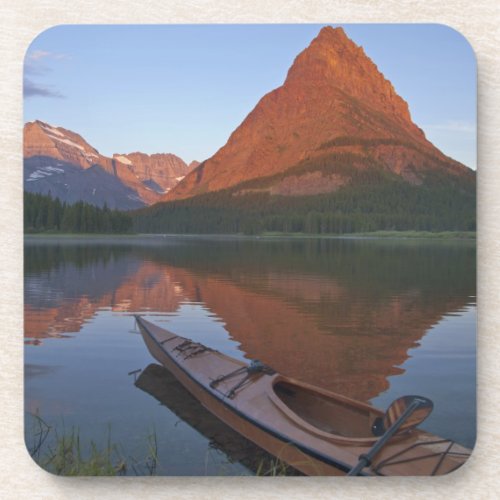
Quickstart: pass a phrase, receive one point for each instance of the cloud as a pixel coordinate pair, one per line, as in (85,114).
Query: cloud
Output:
(454,126)
(35,64)
(37,55)
(33,89)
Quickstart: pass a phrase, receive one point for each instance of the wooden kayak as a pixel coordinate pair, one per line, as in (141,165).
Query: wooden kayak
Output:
(313,430)
(160,383)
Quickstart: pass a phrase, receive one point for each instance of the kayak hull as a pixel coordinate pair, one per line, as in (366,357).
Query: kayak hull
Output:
(260,407)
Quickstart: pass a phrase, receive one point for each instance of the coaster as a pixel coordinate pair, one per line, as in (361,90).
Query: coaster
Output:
(250,250)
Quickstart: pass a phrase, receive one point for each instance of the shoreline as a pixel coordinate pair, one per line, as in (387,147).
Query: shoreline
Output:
(398,235)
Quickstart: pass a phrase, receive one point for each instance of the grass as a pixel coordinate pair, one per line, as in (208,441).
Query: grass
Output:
(64,453)
(274,468)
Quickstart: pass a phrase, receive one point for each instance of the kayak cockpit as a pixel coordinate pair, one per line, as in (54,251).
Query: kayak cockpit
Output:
(327,415)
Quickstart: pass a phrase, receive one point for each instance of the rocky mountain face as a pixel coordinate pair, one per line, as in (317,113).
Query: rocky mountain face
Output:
(335,110)
(61,162)
(41,139)
(160,172)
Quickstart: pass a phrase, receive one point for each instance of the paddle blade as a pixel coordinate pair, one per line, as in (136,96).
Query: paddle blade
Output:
(423,409)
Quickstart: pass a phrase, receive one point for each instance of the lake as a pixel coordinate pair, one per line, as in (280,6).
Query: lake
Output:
(372,319)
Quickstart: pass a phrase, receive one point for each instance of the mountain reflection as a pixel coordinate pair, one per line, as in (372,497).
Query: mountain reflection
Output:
(341,314)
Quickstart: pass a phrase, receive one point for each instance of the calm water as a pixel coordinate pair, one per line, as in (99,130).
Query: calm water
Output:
(371,319)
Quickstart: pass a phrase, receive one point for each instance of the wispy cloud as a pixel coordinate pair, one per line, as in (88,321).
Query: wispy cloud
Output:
(33,89)
(37,55)
(454,126)
(36,64)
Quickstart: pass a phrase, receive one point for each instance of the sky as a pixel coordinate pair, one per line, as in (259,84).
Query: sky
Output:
(183,89)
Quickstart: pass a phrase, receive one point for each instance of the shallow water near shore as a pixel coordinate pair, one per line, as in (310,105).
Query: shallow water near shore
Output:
(369,318)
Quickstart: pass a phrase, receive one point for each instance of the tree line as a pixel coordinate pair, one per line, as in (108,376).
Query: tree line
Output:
(390,205)
(44,213)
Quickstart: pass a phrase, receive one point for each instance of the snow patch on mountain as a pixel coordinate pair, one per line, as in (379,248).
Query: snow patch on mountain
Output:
(68,142)
(44,172)
(123,159)
(52,130)
(134,198)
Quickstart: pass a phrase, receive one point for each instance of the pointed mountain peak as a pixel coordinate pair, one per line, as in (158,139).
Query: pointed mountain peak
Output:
(333,60)
(331,45)
(329,34)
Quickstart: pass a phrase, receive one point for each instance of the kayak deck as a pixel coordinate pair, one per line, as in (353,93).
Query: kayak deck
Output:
(315,431)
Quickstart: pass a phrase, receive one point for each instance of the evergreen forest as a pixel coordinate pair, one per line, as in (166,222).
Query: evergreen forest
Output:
(42,213)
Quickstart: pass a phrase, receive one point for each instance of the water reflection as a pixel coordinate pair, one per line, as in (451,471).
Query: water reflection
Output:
(341,314)
(162,385)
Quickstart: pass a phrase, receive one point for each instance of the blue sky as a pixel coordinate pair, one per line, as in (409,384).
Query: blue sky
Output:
(184,88)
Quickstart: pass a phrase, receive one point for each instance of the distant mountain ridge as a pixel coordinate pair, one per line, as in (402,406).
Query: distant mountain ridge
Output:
(335,107)
(61,162)
(161,171)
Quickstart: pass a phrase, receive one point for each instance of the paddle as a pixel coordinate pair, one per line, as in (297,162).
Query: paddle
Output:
(404,413)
